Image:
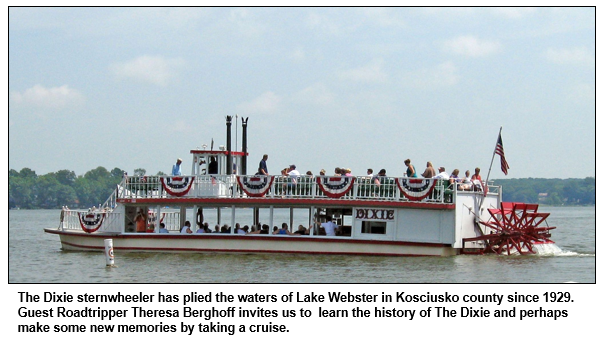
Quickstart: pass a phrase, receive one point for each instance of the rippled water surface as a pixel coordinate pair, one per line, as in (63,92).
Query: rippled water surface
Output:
(36,257)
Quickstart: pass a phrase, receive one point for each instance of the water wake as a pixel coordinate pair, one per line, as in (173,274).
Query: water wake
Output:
(551,249)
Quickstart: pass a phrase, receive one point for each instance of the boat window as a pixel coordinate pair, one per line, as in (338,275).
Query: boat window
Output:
(374,228)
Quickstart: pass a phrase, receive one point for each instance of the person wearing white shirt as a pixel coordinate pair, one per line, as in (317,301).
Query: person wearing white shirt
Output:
(329,227)
(186,228)
(442,174)
(294,176)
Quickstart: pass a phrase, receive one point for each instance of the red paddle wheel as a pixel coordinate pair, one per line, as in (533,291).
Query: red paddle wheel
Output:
(514,227)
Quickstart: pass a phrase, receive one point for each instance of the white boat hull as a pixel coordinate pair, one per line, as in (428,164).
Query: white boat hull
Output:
(225,243)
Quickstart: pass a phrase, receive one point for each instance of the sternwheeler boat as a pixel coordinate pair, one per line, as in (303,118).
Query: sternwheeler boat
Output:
(381,215)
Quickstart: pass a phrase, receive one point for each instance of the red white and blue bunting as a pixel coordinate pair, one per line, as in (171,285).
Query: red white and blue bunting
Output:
(415,189)
(335,186)
(177,185)
(90,222)
(255,186)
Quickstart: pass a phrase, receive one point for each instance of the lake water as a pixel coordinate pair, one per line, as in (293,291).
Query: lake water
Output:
(36,257)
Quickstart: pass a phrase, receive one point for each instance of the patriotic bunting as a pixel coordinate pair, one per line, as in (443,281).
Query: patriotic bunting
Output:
(177,185)
(255,186)
(90,222)
(415,189)
(335,187)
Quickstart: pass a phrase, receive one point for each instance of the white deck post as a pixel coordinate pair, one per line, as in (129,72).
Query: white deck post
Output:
(271,220)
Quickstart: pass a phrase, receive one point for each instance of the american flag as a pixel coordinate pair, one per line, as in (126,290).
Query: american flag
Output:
(499,149)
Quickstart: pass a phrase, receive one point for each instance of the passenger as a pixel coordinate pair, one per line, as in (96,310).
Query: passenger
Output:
(294,174)
(151,228)
(177,168)
(225,229)
(454,177)
(379,178)
(429,172)
(369,172)
(186,228)
(293,170)
(239,230)
(263,167)
(329,226)
(338,171)
(348,172)
(163,229)
(254,231)
(477,181)
(410,169)
(442,174)
(203,229)
(309,173)
(265,229)
(283,231)
(301,230)
(140,221)
(322,172)
(466,183)
(217,229)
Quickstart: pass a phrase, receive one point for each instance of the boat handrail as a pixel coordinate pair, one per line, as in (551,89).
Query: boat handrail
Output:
(111,203)
(303,186)
(71,219)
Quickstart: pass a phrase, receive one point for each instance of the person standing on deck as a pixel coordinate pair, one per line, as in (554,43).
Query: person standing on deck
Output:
(177,168)
(429,172)
(410,169)
(140,221)
(263,167)
(329,227)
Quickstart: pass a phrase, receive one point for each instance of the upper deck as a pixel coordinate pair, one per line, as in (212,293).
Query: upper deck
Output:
(321,190)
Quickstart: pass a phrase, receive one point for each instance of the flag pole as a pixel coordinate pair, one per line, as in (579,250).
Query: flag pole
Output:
(492,158)
(486,186)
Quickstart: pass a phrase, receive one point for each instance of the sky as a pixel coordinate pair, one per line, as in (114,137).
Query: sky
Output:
(322,87)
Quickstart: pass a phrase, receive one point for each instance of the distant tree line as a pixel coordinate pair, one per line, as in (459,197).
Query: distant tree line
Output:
(63,188)
(572,191)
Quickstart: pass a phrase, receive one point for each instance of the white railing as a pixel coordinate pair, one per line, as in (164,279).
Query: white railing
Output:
(70,219)
(226,186)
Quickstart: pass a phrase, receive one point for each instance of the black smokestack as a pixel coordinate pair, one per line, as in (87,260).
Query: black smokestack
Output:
(244,145)
(229,144)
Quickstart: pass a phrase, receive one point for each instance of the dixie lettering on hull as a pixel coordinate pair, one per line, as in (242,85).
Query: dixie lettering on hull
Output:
(375,214)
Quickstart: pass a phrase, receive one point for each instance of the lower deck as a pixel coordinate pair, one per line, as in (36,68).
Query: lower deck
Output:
(253,225)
